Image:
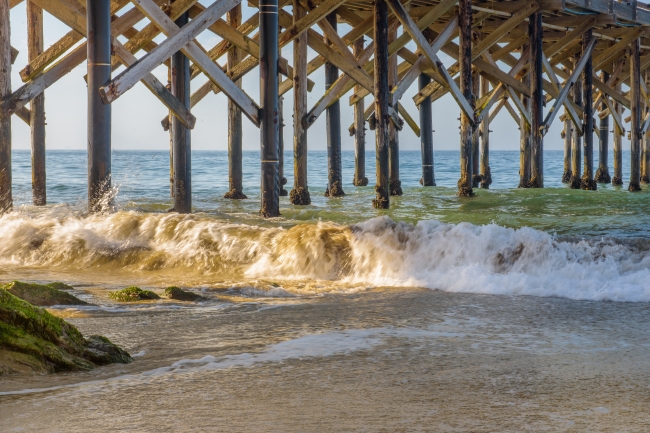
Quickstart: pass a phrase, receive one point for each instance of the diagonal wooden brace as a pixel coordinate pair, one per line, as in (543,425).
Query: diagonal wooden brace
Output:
(411,28)
(567,86)
(182,39)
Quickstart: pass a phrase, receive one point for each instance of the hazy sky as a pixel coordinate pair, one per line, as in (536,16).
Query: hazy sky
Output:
(137,114)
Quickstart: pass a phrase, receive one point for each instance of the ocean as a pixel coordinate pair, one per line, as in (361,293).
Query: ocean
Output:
(516,309)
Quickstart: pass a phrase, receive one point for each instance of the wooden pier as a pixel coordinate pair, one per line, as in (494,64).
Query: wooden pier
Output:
(585,61)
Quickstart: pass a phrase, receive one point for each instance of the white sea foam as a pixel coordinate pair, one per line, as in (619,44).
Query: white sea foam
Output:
(324,257)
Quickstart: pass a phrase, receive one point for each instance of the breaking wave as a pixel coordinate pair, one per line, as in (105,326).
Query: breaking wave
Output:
(197,249)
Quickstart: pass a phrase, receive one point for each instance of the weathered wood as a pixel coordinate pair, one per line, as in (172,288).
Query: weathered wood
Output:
(299,195)
(6,200)
(382,101)
(270,116)
(617,179)
(333,124)
(560,100)
(411,28)
(394,182)
(484,168)
(535,32)
(183,40)
(359,128)
(37,106)
(524,137)
(576,142)
(99,115)
(406,117)
(476,141)
(570,37)
(181,135)
(602,174)
(635,109)
(235,132)
(587,182)
(465,69)
(305,23)
(568,136)
(426,135)
(610,54)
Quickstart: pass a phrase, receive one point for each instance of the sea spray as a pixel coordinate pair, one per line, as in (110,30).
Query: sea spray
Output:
(196,250)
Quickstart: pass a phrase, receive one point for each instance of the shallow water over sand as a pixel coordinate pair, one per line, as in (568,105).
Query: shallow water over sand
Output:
(389,360)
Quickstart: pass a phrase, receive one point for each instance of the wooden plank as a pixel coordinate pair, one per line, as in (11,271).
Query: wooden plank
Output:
(408,119)
(570,37)
(182,39)
(423,45)
(608,56)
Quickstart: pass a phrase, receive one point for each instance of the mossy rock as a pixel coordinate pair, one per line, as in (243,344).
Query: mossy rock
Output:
(132,294)
(179,294)
(43,295)
(31,339)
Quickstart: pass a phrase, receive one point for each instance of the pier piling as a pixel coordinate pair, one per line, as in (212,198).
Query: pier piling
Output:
(426,135)
(299,195)
(6,200)
(382,95)
(602,174)
(587,182)
(568,138)
(635,123)
(270,114)
(360,178)
(485,172)
(465,68)
(235,133)
(535,32)
(36,106)
(395,184)
(99,114)
(333,113)
(476,152)
(576,142)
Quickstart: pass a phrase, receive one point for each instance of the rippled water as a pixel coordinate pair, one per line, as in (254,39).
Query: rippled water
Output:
(336,316)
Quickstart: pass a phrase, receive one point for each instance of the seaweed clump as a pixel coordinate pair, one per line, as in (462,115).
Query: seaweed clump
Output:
(44,295)
(132,294)
(33,340)
(179,294)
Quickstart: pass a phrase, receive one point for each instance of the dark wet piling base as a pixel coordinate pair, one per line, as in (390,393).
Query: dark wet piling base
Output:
(486,179)
(395,187)
(335,191)
(602,175)
(464,190)
(588,183)
(299,196)
(360,182)
(575,182)
(617,181)
(634,187)
(566,176)
(235,195)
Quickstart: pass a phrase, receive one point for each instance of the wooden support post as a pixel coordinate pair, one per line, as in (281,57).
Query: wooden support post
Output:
(635,105)
(535,32)
(283,180)
(6,201)
(602,174)
(485,172)
(98,26)
(394,183)
(524,142)
(37,106)
(587,182)
(476,151)
(181,134)
(300,193)
(382,95)
(360,178)
(334,176)
(235,171)
(465,68)
(576,142)
(171,134)
(270,114)
(645,140)
(617,179)
(568,138)
(426,135)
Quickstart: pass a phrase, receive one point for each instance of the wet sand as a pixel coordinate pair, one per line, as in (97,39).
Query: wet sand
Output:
(387,360)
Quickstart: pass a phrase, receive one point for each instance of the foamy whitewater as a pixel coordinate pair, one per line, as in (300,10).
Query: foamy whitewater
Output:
(319,257)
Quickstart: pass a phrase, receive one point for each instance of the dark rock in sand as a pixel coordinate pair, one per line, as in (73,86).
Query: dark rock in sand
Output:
(133,294)
(43,295)
(33,340)
(181,295)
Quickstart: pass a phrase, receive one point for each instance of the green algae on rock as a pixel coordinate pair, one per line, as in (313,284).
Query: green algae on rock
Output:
(43,295)
(132,294)
(179,294)
(33,340)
